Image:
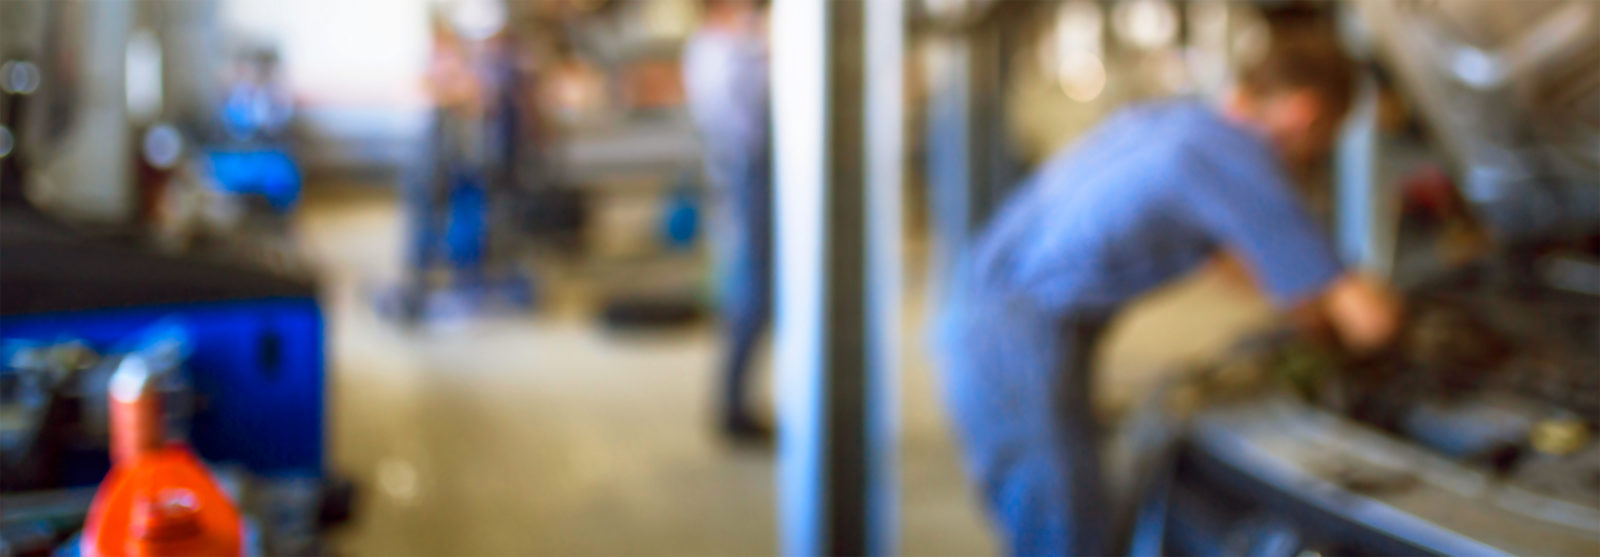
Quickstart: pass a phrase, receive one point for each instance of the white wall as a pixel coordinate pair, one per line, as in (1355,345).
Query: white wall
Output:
(355,66)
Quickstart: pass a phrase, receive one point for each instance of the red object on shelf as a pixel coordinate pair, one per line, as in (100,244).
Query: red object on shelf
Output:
(1429,190)
(164,504)
(158,500)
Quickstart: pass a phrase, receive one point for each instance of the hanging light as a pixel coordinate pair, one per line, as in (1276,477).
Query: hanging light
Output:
(7,142)
(162,146)
(478,19)
(1077,26)
(1072,50)
(1146,24)
(19,77)
(1082,75)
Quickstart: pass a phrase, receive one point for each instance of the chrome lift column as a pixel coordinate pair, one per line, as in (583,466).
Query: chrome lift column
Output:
(837,105)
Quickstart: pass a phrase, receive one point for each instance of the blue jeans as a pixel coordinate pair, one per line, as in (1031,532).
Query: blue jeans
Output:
(453,219)
(1018,385)
(742,243)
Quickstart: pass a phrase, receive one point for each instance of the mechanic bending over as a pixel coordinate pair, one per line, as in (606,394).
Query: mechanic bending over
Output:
(1149,195)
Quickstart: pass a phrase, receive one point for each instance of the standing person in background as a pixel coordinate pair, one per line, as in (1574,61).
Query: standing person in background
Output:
(452,164)
(725,77)
(1149,195)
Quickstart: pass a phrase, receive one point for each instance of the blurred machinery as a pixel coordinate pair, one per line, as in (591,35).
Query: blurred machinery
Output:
(1511,92)
(158,499)
(246,388)
(1475,434)
(101,120)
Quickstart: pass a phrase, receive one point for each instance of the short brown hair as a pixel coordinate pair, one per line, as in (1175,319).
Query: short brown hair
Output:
(1303,52)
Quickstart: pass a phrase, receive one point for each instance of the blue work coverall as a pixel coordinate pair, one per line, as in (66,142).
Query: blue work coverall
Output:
(725,78)
(1145,197)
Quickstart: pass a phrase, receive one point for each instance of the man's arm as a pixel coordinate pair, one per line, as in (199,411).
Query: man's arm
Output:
(1363,312)
(1241,195)
(1248,205)
(1359,311)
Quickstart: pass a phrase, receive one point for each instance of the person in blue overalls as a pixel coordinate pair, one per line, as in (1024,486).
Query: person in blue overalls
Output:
(1150,194)
(444,194)
(725,79)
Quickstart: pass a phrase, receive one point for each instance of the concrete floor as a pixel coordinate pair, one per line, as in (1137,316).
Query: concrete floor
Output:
(542,434)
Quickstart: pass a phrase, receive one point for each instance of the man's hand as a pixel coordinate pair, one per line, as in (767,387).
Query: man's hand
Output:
(1362,311)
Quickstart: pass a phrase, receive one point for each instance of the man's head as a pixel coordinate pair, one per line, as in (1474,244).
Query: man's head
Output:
(1297,92)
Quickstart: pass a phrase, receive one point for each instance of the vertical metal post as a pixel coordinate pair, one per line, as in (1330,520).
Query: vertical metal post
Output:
(995,162)
(885,167)
(1367,214)
(837,125)
(950,164)
(971,163)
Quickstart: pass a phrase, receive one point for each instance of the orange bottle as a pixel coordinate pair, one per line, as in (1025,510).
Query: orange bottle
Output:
(158,500)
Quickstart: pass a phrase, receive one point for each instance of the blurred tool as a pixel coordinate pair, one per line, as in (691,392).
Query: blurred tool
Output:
(55,403)
(56,406)
(229,191)
(1486,409)
(1562,436)
(158,499)
(680,226)
(255,161)
(1471,429)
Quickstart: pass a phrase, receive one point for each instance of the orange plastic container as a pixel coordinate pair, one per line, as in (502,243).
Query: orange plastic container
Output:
(158,500)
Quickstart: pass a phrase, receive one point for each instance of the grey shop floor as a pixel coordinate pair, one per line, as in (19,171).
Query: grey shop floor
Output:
(542,434)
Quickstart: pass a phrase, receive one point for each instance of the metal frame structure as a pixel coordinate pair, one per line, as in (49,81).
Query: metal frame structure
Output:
(837,120)
(971,162)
